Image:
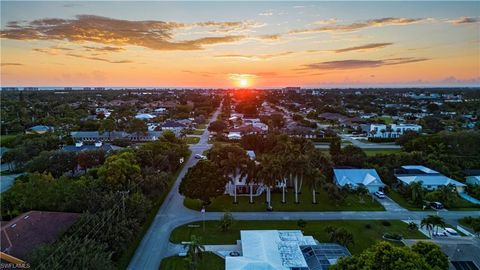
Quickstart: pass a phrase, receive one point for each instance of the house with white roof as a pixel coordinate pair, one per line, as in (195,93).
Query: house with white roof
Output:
(358,177)
(389,131)
(144,116)
(283,250)
(429,178)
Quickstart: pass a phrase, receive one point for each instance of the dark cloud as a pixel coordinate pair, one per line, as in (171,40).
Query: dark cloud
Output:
(465,20)
(157,35)
(364,47)
(358,25)
(354,64)
(11,64)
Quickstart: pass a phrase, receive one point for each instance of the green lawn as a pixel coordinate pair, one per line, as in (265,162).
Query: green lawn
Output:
(363,237)
(352,203)
(191,140)
(128,254)
(209,261)
(198,131)
(5,139)
(459,204)
(402,201)
(373,152)
(202,126)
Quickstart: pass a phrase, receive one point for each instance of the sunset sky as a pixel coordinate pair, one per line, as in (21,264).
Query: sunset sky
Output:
(240,44)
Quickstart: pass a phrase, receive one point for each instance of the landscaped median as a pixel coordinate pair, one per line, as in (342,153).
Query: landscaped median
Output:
(365,232)
(352,203)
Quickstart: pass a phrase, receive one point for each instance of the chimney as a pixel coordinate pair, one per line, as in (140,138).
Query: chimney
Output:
(79,144)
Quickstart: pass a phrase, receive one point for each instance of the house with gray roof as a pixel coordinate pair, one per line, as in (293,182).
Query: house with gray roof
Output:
(40,129)
(80,147)
(355,178)
(95,136)
(430,179)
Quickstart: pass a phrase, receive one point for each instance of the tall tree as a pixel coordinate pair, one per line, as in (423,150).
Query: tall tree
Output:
(204,181)
(384,255)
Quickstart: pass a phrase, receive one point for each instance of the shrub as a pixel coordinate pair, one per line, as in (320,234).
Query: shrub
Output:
(386,223)
(368,226)
(393,236)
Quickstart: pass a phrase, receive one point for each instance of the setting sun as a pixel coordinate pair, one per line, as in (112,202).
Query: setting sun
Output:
(243,82)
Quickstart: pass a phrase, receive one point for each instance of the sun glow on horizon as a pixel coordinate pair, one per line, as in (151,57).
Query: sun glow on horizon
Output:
(242,80)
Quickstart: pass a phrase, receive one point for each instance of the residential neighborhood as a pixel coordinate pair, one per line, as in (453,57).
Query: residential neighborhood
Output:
(240,135)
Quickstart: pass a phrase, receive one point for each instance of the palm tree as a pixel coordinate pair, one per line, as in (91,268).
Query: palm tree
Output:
(437,222)
(195,250)
(412,226)
(418,194)
(252,176)
(447,194)
(267,177)
(314,179)
(428,224)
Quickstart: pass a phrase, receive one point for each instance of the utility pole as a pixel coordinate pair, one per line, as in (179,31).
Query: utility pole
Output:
(124,196)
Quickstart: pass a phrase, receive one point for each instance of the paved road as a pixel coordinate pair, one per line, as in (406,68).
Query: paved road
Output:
(369,145)
(155,245)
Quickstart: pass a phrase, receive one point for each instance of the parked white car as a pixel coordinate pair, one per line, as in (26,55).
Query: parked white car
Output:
(451,231)
(198,156)
(379,194)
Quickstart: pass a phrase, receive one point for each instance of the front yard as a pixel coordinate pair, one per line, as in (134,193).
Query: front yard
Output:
(365,232)
(225,202)
(208,261)
(191,140)
(458,205)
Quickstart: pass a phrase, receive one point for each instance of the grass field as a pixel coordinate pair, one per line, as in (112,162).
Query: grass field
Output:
(202,126)
(191,140)
(209,261)
(364,235)
(5,139)
(128,254)
(198,131)
(352,203)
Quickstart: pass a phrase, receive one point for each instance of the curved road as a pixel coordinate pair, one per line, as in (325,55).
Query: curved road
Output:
(156,245)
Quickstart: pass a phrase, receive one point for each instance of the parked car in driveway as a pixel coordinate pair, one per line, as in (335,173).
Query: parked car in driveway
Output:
(198,156)
(451,231)
(380,194)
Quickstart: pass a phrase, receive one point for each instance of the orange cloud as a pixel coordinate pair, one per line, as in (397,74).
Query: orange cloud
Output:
(157,35)
(358,25)
(253,56)
(465,20)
